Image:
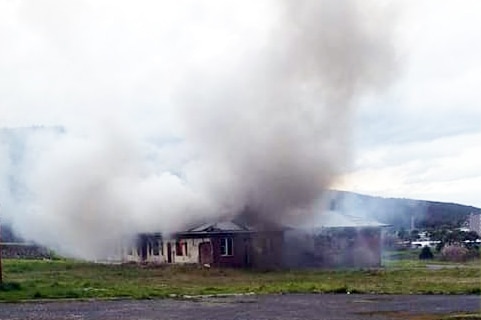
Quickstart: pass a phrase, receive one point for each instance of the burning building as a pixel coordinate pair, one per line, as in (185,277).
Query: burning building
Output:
(218,244)
(336,240)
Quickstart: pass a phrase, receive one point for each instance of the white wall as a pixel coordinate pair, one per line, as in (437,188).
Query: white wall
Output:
(192,255)
(131,254)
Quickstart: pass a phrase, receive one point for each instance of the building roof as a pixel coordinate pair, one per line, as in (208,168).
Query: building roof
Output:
(335,219)
(329,219)
(338,219)
(219,227)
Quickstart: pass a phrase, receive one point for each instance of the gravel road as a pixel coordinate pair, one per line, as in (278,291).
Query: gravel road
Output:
(293,306)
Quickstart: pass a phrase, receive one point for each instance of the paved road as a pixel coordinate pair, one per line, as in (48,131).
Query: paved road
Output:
(281,307)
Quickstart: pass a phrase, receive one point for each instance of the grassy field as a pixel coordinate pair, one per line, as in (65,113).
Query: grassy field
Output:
(35,279)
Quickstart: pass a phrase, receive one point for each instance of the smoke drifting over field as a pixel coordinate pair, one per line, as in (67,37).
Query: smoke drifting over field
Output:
(172,115)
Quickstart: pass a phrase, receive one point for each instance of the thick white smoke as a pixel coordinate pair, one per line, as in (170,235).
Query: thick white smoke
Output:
(174,113)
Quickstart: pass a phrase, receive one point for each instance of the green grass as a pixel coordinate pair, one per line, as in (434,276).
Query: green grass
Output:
(34,279)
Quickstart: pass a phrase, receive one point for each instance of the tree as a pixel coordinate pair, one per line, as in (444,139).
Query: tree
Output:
(426,253)
(414,235)
(402,234)
(453,237)
(471,236)
(454,252)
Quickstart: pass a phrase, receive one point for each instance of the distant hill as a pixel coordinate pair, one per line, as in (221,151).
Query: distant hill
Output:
(399,212)
(392,211)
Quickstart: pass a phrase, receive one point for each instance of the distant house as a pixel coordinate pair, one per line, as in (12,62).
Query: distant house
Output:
(218,244)
(474,222)
(424,243)
(334,239)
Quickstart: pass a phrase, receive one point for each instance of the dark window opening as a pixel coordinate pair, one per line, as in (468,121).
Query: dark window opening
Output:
(155,248)
(178,248)
(226,247)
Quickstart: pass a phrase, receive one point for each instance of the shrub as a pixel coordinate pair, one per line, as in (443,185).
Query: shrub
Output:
(454,252)
(473,252)
(10,286)
(426,253)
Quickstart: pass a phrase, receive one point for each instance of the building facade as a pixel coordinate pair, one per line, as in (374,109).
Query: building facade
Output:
(221,244)
(474,222)
(337,240)
(334,240)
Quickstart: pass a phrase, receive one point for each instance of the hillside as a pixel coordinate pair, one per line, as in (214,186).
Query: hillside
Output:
(399,212)
(392,211)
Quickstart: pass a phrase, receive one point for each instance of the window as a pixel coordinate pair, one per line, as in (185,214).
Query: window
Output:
(178,248)
(155,248)
(226,247)
(181,248)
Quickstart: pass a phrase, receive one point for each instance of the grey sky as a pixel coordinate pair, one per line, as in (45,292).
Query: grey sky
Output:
(422,139)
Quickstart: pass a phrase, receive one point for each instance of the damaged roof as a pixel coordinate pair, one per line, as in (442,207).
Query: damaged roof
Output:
(326,219)
(338,219)
(219,226)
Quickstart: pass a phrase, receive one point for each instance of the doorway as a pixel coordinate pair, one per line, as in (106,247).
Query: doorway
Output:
(169,252)
(205,253)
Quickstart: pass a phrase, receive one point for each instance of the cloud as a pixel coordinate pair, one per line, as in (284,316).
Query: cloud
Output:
(445,169)
(420,139)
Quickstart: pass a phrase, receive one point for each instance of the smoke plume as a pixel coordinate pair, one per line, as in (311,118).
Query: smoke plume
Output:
(172,114)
